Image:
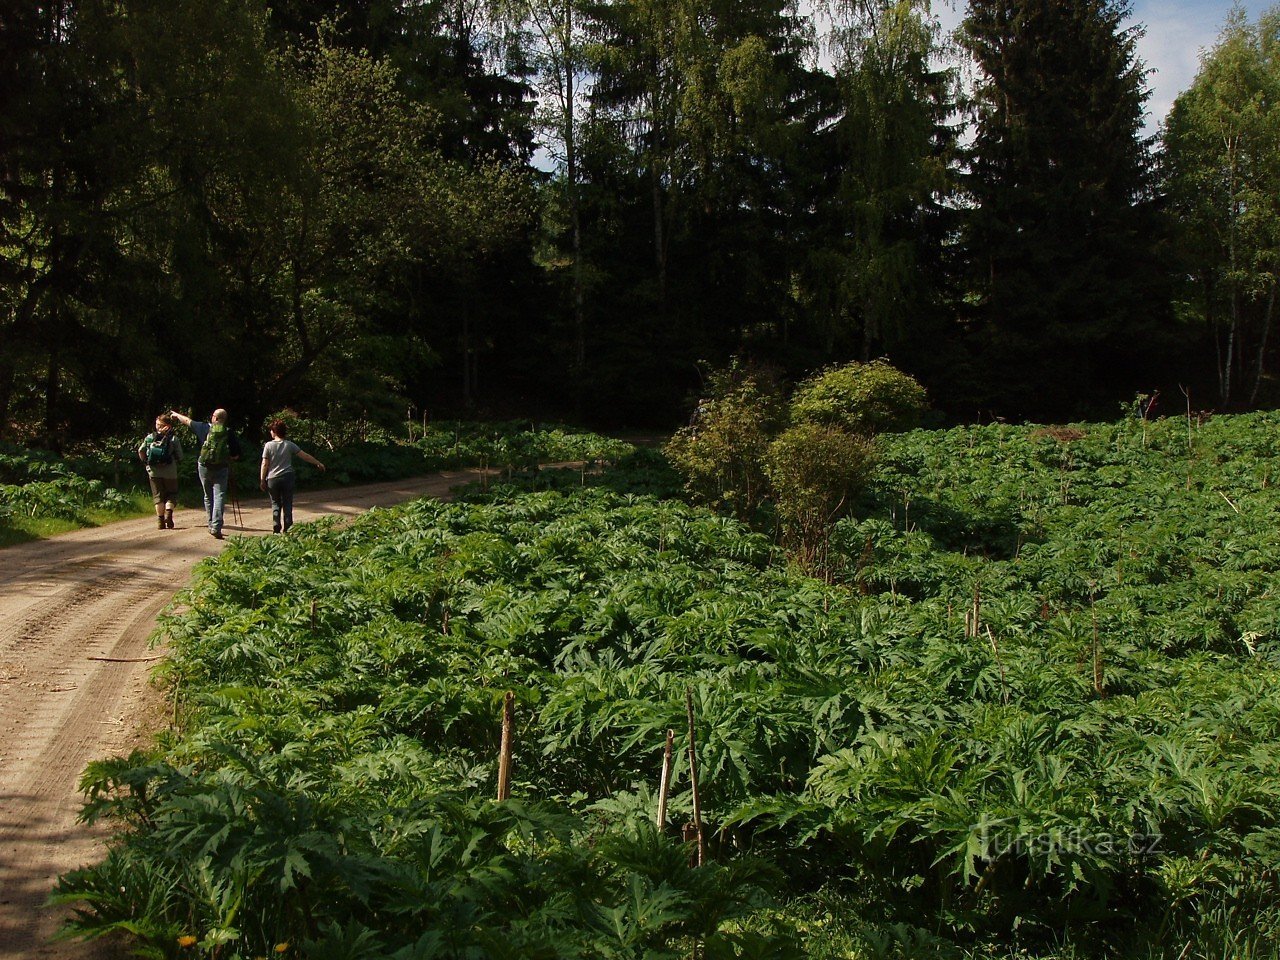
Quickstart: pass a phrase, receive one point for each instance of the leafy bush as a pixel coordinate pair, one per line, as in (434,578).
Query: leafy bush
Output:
(359,452)
(866,398)
(816,473)
(722,454)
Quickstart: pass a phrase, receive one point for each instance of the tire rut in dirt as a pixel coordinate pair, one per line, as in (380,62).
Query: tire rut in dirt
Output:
(61,732)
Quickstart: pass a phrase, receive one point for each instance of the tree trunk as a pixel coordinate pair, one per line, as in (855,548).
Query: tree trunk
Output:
(1262,346)
(53,382)
(8,370)
(1233,206)
(468,388)
(659,239)
(575,214)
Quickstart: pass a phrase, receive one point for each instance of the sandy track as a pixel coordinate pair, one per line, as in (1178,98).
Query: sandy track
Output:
(76,613)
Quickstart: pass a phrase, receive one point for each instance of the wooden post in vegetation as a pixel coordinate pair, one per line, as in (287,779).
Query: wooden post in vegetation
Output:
(973,618)
(313,616)
(1187,393)
(504,752)
(664,786)
(995,648)
(1098,687)
(693,778)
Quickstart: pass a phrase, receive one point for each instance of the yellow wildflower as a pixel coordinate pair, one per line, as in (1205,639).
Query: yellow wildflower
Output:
(186,940)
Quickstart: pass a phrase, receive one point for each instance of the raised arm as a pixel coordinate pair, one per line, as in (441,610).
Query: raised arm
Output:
(180,417)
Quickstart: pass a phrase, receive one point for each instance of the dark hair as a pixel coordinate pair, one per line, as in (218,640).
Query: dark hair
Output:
(165,419)
(279,428)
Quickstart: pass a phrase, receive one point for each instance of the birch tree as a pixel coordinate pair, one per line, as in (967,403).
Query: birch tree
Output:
(1222,151)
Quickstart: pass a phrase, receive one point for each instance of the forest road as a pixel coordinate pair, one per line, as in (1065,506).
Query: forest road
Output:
(76,614)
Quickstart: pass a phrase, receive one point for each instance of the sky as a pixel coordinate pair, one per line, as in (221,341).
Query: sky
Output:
(1176,32)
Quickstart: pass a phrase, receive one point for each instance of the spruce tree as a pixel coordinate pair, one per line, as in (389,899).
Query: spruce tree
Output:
(1060,228)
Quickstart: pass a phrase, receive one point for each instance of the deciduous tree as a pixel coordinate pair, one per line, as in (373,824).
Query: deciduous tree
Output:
(1222,153)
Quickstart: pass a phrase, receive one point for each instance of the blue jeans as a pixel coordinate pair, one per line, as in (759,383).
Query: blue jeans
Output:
(281,490)
(214,483)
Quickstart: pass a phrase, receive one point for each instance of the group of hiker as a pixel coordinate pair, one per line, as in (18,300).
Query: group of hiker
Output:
(161,451)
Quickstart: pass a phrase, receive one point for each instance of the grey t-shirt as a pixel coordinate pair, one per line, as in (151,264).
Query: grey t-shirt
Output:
(278,455)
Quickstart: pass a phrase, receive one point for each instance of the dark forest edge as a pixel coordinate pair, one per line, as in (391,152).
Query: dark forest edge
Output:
(563,208)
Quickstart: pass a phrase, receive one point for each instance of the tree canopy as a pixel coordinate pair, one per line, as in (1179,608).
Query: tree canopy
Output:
(570,208)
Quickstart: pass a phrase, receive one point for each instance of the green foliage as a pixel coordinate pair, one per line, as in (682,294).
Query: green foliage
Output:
(1060,224)
(39,485)
(331,764)
(722,454)
(1044,713)
(867,398)
(816,472)
(872,271)
(1222,168)
(41,493)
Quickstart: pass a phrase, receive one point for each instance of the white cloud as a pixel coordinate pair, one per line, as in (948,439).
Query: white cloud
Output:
(1177,31)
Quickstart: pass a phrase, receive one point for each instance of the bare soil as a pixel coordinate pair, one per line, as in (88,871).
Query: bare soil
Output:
(76,616)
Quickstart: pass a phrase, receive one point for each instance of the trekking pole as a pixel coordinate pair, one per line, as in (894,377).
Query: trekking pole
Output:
(233,494)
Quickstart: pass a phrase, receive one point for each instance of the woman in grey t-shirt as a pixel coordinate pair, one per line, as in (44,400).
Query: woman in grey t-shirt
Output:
(277,475)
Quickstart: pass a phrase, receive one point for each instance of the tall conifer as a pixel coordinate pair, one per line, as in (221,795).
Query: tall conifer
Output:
(1059,231)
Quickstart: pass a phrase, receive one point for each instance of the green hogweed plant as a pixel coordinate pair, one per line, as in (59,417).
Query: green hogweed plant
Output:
(1041,703)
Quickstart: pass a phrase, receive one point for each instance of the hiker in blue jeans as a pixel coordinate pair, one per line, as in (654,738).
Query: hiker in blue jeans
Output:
(218,448)
(277,474)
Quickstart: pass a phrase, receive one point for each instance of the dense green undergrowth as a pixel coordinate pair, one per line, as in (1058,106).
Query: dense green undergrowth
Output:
(41,493)
(1036,715)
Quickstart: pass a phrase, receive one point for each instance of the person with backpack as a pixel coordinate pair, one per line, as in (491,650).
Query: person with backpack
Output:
(218,448)
(277,474)
(161,451)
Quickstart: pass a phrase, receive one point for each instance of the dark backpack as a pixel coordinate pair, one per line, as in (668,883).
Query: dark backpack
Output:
(216,451)
(159,449)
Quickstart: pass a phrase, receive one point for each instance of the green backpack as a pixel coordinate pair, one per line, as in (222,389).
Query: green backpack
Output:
(216,451)
(159,449)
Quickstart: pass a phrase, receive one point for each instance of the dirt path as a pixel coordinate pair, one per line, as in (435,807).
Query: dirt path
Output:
(75,615)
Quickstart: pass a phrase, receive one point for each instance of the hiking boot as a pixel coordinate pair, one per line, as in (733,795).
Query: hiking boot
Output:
(216,534)
(160,522)
(168,519)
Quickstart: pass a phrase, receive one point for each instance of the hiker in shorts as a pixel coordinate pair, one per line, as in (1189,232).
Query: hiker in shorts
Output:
(277,474)
(161,451)
(218,448)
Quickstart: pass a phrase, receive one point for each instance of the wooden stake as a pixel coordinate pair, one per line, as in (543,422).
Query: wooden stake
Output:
(665,785)
(693,778)
(973,618)
(504,754)
(1098,687)
(995,648)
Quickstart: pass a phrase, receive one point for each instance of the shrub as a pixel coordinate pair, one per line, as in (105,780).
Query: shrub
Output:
(863,397)
(721,455)
(817,472)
